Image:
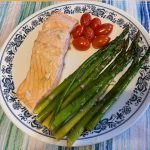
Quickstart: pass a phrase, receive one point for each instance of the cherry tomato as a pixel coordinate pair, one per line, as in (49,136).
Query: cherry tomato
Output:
(85,19)
(88,33)
(94,23)
(104,29)
(100,41)
(77,31)
(81,43)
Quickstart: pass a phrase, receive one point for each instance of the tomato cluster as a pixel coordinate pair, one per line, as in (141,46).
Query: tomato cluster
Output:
(91,31)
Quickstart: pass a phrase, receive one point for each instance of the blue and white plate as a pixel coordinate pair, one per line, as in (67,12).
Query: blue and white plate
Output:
(15,61)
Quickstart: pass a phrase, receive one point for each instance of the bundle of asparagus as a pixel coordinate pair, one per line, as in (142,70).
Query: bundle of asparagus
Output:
(71,106)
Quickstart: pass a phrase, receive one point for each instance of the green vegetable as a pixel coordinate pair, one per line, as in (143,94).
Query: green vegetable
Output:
(47,120)
(44,113)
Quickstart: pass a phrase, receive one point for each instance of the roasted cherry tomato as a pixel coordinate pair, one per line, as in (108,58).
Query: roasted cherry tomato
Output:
(100,41)
(78,31)
(85,19)
(103,29)
(94,23)
(81,43)
(88,33)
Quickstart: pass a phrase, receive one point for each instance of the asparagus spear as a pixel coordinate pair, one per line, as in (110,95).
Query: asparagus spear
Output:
(96,87)
(78,129)
(107,101)
(78,73)
(46,121)
(44,113)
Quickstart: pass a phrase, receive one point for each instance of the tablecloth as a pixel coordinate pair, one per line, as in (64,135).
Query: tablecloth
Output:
(11,138)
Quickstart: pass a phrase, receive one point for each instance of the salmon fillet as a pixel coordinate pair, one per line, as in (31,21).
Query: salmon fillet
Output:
(47,59)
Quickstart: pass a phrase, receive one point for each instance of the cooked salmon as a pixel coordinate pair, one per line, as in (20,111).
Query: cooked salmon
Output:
(47,59)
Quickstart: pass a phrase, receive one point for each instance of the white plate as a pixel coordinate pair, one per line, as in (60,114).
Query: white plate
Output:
(14,63)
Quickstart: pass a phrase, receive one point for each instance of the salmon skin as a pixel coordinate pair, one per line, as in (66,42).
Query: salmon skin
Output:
(47,59)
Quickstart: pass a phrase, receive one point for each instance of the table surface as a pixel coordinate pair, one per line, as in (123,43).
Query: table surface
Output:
(12,138)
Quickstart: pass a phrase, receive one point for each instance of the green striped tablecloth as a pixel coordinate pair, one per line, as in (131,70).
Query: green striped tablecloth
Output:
(12,138)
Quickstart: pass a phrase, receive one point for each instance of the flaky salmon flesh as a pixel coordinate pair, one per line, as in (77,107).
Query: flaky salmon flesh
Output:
(47,59)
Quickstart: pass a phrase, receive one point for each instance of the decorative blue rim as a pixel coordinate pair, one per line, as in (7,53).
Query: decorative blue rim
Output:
(85,133)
